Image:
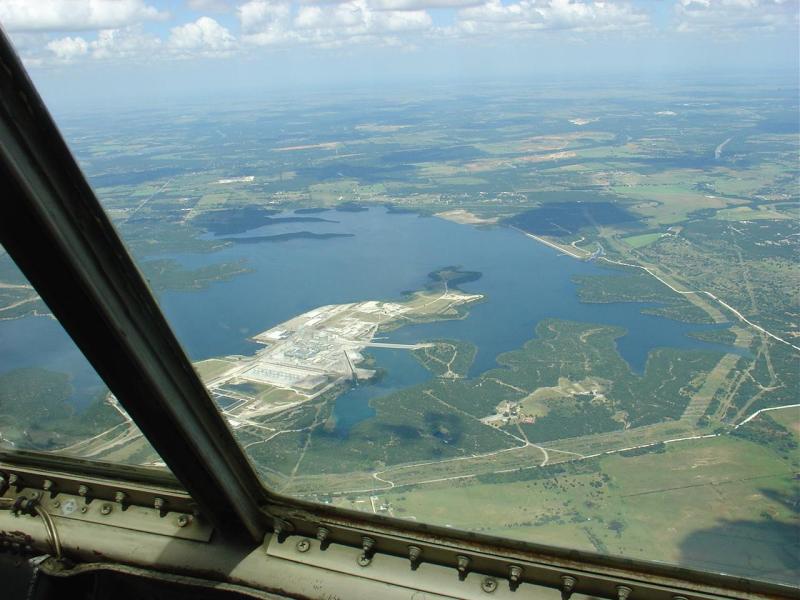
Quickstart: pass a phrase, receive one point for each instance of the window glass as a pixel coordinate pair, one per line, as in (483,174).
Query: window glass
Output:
(544,286)
(51,399)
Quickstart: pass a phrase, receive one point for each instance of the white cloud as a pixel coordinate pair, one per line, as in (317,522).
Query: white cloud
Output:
(412,20)
(401,4)
(267,23)
(728,16)
(74,15)
(110,44)
(256,14)
(68,48)
(204,36)
(209,5)
(130,42)
(421,4)
(550,15)
(115,28)
(26,42)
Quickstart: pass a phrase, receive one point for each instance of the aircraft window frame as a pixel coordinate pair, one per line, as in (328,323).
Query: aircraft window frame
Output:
(58,234)
(55,229)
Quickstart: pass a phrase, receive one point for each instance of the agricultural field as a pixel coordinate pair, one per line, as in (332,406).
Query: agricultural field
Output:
(676,501)
(585,220)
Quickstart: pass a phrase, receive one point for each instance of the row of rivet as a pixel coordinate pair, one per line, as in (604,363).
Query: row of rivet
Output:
(488,584)
(369,547)
(85,492)
(623,591)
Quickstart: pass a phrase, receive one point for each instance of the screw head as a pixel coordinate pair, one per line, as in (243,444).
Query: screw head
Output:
(106,509)
(303,545)
(489,584)
(363,560)
(47,485)
(84,509)
(184,520)
(56,504)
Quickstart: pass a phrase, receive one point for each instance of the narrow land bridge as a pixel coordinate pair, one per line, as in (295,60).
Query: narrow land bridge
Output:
(397,346)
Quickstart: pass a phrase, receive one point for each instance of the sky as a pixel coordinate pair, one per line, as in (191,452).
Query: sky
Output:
(134,49)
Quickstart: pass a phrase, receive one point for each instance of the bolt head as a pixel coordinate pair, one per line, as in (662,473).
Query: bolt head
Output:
(83,490)
(120,497)
(623,592)
(489,584)
(303,545)
(158,503)
(47,485)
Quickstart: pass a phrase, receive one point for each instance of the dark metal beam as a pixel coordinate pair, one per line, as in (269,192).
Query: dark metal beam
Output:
(54,228)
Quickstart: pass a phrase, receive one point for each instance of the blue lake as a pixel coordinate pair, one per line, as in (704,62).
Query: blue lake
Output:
(388,254)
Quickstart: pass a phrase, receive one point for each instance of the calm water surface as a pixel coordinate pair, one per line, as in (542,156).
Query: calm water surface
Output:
(389,254)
